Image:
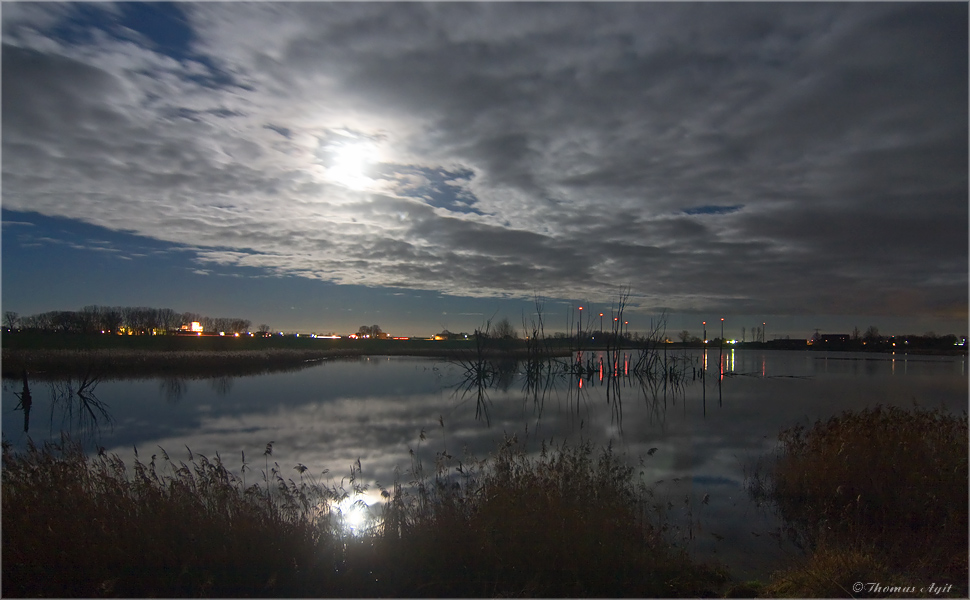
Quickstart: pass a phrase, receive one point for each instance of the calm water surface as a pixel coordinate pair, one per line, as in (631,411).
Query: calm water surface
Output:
(707,432)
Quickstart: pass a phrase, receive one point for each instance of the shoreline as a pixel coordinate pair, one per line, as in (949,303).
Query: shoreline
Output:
(59,356)
(136,364)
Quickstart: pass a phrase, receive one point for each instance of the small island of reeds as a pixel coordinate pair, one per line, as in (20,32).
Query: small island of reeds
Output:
(878,498)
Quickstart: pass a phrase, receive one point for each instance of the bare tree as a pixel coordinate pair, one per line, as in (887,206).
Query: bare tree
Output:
(110,318)
(239,325)
(89,318)
(504,330)
(372,331)
(10,319)
(169,320)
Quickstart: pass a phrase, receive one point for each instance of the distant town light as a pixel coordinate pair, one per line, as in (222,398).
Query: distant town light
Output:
(193,327)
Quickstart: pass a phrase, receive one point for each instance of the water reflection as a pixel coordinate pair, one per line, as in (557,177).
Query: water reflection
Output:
(657,377)
(82,413)
(26,401)
(173,388)
(374,410)
(221,385)
(75,408)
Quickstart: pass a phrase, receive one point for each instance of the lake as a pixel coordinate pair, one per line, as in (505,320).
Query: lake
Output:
(708,429)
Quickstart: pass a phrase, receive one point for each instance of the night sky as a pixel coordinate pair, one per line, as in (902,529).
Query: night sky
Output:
(318,166)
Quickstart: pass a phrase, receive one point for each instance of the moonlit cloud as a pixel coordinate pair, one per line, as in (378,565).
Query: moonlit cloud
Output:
(779,158)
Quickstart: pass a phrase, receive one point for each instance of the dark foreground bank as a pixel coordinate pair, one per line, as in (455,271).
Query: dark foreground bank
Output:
(569,523)
(879,500)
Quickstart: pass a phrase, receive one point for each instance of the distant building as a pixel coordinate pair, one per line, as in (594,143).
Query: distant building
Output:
(788,344)
(193,327)
(447,335)
(831,341)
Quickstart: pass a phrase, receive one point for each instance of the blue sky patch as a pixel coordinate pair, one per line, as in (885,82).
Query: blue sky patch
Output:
(163,25)
(441,189)
(283,131)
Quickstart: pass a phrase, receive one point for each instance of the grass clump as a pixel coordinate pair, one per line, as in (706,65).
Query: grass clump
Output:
(879,493)
(565,523)
(74,527)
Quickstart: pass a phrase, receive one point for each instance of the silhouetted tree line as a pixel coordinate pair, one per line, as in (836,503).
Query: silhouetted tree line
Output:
(138,320)
(372,331)
(873,340)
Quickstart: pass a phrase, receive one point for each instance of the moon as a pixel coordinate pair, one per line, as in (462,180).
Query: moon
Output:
(351,164)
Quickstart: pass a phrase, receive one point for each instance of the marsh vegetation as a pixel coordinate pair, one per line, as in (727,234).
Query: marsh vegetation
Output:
(569,522)
(878,495)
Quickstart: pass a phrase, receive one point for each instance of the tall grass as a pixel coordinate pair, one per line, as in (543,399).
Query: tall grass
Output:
(115,363)
(880,491)
(566,523)
(570,522)
(79,527)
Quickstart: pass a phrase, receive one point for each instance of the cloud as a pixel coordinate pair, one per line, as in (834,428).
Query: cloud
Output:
(712,210)
(771,158)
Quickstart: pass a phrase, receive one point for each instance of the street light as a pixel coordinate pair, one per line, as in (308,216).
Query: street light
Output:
(601,322)
(763,338)
(722,331)
(705,331)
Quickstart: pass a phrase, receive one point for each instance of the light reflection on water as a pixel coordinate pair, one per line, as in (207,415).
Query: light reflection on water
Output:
(707,430)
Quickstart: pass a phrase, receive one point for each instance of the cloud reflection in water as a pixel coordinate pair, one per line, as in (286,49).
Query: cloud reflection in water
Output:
(373,410)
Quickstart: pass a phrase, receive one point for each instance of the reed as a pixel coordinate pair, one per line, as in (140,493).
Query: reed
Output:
(119,363)
(79,527)
(569,522)
(879,491)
